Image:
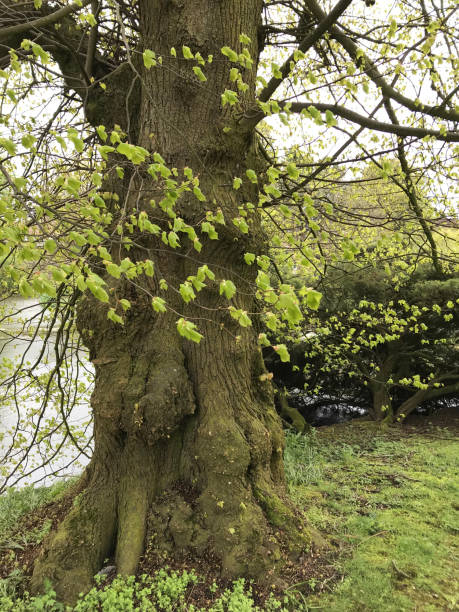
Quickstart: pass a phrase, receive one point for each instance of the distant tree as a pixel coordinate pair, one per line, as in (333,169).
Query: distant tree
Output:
(397,344)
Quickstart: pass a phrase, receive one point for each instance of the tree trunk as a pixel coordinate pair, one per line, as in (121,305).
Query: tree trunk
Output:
(188,446)
(382,403)
(424,395)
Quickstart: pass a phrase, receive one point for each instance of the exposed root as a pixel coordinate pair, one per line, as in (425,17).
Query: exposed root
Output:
(131,528)
(73,555)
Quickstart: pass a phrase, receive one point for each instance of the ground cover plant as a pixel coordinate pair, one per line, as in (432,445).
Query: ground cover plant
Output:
(387,499)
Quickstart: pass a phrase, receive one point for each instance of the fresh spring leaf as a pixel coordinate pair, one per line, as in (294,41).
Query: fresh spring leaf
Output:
(187,329)
(227,288)
(282,351)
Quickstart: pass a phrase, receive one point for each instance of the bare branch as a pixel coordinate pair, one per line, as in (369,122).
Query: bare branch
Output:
(43,21)
(361,59)
(309,41)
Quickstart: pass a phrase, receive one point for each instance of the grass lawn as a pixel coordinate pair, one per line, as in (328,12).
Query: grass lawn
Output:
(386,500)
(389,501)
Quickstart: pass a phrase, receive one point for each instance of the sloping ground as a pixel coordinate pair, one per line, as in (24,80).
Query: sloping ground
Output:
(387,500)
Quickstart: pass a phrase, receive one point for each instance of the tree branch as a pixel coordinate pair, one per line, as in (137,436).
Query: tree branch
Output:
(254,117)
(309,41)
(423,395)
(387,90)
(43,21)
(411,192)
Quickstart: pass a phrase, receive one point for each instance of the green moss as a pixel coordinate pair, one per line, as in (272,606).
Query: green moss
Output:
(296,535)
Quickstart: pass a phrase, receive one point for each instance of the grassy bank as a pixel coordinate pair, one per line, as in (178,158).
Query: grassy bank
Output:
(387,501)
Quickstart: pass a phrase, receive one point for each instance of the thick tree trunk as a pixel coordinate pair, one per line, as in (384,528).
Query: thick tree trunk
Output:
(188,446)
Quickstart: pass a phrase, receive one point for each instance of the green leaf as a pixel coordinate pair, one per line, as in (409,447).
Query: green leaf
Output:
(96,179)
(58,275)
(282,351)
(204,270)
(113,270)
(234,75)
(77,238)
(104,150)
(97,291)
(173,240)
(313,299)
(149,58)
(237,182)
(125,304)
(199,73)
(244,319)
(227,288)
(149,267)
(8,145)
(241,224)
(187,54)
(187,329)
(292,171)
(288,302)
(330,118)
(263,281)
(76,141)
(209,229)
(198,194)
(159,305)
(25,289)
(50,245)
(187,292)
(249,258)
(111,314)
(81,283)
(28,141)
(230,54)
(252,176)
(101,132)
(229,97)
(20,182)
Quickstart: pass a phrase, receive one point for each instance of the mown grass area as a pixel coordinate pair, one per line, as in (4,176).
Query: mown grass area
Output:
(387,501)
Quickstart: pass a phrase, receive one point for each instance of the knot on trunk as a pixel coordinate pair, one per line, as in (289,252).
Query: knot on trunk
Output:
(168,400)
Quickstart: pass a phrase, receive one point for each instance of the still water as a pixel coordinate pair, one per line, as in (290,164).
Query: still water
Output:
(36,439)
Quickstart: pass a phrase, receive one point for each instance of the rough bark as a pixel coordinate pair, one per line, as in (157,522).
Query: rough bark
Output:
(188,446)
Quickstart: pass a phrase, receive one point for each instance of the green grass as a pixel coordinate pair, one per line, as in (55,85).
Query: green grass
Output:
(391,505)
(17,503)
(387,502)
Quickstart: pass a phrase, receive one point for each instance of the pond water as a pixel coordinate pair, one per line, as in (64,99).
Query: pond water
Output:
(25,421)
(327,413)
